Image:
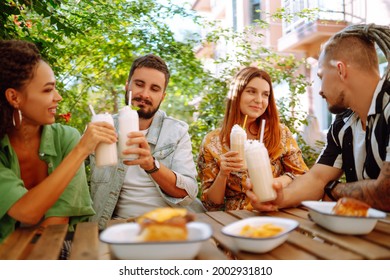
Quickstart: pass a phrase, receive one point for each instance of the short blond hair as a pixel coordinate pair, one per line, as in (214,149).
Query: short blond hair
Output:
(355,50)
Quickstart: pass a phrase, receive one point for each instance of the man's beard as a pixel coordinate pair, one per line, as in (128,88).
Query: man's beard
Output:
(338,107)
(147,114)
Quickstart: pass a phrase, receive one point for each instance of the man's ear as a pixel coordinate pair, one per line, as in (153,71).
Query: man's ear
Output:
(342,70)
(13,97)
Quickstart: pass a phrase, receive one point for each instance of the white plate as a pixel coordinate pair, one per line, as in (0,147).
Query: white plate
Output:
(321,213)
(259,245)
(122,239)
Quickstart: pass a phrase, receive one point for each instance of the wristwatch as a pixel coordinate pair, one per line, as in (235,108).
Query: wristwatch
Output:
(329,188)
(155,168)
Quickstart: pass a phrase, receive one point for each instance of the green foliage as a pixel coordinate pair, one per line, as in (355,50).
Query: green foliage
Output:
(92,44)
(245,49)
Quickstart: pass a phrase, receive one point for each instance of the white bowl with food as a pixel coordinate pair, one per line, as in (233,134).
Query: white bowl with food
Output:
(259,234)
(323,213)
(125,243)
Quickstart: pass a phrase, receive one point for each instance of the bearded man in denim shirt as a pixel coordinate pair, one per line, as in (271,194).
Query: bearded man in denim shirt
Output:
(164,174)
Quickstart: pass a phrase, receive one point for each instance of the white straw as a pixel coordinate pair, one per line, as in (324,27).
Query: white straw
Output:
(92,110)
(130,93)
(262,130)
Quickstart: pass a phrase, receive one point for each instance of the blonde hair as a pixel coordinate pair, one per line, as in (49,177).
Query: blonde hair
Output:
(356,45)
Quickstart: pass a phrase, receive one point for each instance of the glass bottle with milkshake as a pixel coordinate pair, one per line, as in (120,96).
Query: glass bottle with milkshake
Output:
(238,137)
(259,168)
(128,122)
(105,154)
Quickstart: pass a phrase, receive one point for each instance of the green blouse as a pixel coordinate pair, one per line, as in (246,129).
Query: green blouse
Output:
(56,142)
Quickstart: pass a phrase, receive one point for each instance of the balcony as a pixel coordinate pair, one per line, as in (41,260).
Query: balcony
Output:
(202,6)
(307,35)
(214,8)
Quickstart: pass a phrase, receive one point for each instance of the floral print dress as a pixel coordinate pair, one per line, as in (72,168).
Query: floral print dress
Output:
(288,159)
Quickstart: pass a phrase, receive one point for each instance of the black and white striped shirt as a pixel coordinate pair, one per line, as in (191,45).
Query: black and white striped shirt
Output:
(339,151)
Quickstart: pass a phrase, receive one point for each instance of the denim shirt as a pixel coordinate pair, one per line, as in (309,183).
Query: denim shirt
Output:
(170,144)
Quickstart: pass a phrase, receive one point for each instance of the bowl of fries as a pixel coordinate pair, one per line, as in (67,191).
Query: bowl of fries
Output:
(259,234)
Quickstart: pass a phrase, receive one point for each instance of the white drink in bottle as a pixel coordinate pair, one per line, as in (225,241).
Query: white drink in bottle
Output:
(237,142)
(105,154)
(128,122)
(259,169)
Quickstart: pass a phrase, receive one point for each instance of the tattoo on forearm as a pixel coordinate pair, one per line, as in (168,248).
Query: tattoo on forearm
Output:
(376,193)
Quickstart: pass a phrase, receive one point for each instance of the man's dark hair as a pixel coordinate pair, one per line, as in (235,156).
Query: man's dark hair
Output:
(148,61)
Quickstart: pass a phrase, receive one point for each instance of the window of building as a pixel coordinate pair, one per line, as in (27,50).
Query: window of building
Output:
(255,7)
(234,9)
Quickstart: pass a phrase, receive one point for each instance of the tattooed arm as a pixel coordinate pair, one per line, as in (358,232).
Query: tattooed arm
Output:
(374,192)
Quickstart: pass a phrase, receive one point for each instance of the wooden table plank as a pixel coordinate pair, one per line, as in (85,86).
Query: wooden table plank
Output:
(221,239)
(104,251)
(286,251)
(242,214)
(222,217)
(215,219)
(382,227)
(386,219)
(352,243)
(210,251)
(321,249)
(314,247)
(16,246)
(225,242)
(85,245)
(299,212)
(49,243)
(379,238)
(291,252)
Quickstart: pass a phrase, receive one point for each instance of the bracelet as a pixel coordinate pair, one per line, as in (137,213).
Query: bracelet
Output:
(288,174)
(329,188)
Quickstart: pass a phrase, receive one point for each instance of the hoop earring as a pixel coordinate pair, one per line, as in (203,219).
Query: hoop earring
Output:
(20,117)
(13,119)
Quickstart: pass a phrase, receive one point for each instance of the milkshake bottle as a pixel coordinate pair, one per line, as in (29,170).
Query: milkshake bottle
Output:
(237,142)
(128,122)
(105,154)
(259,170)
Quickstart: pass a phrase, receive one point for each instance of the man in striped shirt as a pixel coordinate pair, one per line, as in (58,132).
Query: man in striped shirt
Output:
(358,140)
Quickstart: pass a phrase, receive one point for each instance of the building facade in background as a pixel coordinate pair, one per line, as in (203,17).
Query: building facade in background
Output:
(300,36)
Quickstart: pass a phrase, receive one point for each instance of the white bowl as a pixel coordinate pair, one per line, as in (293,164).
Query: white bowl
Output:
(321,213)
(259,245)
(122,239)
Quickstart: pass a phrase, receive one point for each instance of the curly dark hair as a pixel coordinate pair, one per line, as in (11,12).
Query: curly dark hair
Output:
(18,62)
(149,61)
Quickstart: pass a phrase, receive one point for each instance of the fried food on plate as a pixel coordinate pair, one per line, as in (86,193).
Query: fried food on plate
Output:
(348,206)
(165,224)
(266,230)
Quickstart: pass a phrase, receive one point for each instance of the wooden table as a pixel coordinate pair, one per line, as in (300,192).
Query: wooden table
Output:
(31,244)
(307,242)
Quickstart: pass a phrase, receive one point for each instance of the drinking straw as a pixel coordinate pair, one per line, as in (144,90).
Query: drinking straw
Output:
(262,130)
(130,94)
(243,126)
(92,110)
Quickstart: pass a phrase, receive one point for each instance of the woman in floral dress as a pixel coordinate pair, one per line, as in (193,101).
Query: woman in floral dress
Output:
(221,172)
